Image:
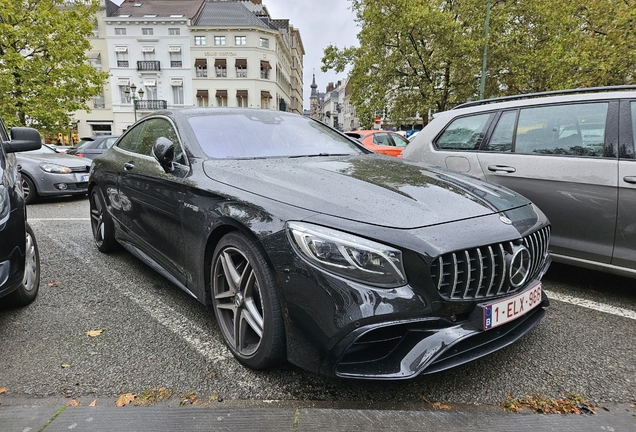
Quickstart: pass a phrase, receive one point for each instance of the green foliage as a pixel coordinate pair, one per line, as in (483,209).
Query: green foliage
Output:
(44,74)
(420,55)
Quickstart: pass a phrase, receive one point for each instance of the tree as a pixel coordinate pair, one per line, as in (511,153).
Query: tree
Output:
(420,55)
(44,74)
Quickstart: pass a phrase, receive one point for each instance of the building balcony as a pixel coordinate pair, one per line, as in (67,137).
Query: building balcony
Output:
(176,63)
(149,65)
(122,63)
(150,105)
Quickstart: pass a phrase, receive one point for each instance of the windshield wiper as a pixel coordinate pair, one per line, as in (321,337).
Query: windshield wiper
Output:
(320,155)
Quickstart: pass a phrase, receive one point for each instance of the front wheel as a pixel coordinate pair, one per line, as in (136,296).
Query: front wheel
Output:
(246,304)
(28,290)
(101,223)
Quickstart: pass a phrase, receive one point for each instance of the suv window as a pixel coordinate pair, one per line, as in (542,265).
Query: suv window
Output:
(573,129)
(465,133)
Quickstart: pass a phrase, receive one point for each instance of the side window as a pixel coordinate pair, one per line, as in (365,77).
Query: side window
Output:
(382,139)
(572,130)
(157,128)
(399,140)
(130,141)
(501,139)
(633,109)
(110,142)
(465,133)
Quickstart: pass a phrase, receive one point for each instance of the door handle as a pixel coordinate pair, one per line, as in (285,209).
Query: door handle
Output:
(629,179)
(500,168)
(128,166)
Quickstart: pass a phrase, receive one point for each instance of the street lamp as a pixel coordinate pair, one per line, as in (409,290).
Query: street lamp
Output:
(133,91)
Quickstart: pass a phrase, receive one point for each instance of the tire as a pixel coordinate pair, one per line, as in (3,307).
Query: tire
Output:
(246,303)
(101,223)
(30,192)
(28,290)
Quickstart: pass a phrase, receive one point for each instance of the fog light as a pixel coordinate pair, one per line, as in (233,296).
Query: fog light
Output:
(61,186)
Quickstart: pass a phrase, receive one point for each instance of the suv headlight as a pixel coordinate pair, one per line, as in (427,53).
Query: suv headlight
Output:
(353,257)
(53,168)
(5,204)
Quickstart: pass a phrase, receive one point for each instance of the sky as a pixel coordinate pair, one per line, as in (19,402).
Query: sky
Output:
(321,23)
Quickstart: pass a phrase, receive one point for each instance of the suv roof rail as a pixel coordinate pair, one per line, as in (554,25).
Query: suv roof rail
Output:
(547,93)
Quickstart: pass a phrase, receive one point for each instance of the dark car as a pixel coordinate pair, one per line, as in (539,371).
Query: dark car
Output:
(19,257)
(46,172)
(91,147)
(572,153)
(311,248)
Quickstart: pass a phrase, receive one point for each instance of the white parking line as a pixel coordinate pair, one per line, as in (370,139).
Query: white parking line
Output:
(56,219)
(590,304)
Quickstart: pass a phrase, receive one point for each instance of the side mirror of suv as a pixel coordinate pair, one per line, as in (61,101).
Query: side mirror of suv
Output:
(23,139)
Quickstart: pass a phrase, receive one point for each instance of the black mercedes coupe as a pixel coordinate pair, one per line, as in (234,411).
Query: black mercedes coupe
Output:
(311,249)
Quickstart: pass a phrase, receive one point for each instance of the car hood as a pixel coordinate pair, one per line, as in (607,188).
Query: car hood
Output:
(57,158)
(373,189)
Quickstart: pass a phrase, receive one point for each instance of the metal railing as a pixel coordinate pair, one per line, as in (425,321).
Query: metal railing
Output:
(151,104)
(149,65)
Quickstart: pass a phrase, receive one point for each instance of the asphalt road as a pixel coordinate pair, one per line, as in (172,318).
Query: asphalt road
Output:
(155,335)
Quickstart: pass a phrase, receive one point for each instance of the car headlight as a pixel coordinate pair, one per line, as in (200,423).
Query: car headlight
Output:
(53,168)
(5,204)
(353,257)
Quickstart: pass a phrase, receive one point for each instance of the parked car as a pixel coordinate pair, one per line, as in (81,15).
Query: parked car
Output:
(381,141)
(19,256)
(46,172)
(572,154)
(58,148)
(310,248)
(91,147)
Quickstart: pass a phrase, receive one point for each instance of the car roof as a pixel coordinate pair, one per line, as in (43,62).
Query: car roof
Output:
(574,95)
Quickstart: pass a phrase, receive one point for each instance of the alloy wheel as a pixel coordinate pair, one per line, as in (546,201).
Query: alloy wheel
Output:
(31,279)
(97,218)
(238,300)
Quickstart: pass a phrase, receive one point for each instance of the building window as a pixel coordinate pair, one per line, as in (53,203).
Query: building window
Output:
(241,98)
(98,101)
(293,41)
(95,29)
(265,68)
(240,40)
(221,98)
(264,42)
(151,90)
(199,40)
(202,98)
(241,68)
(220,65)
(123,97)
(174,31)
(96,62)
(120,31)
(147,31)
(148,55)
(177,95)
(175,59)
(201,67)
(265,98)
(219,40)
(122,59)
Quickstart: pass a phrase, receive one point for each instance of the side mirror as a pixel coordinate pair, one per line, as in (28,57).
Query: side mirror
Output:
(23,139)
(163,151)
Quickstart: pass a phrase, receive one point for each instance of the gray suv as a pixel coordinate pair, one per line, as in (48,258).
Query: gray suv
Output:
(571,152)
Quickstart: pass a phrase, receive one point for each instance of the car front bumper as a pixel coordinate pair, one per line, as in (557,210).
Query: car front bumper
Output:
(49,184)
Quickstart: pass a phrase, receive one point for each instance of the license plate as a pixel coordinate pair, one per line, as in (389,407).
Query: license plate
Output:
(511,308)
(84,178)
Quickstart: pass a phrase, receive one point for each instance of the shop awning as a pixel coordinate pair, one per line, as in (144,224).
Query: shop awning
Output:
(265,65)
(221,93)
(220,63)
(241,93)
(201,63)
(240,63)
(202,93)
(266,95)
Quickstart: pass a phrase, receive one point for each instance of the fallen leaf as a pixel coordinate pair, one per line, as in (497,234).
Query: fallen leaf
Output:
(50,284)
(438,405)
(64,365)
(73,402)
(125,399)
(92,404)
(3,390)
(94,333)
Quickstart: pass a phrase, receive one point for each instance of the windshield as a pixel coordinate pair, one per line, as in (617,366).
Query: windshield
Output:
(267,134)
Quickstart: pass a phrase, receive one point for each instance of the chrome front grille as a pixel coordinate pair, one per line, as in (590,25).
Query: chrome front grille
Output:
(482,272)
(81,169)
